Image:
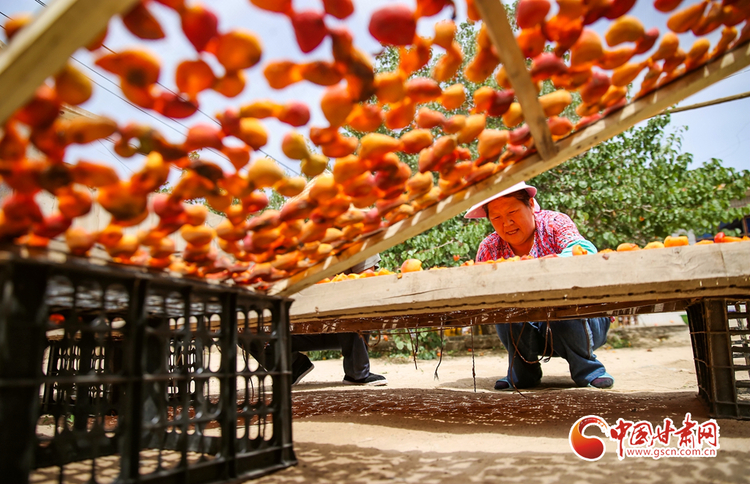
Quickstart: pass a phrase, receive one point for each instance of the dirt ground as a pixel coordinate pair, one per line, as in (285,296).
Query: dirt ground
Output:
(419,429)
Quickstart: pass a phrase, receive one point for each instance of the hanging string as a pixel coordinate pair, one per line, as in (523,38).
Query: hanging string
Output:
(442,342)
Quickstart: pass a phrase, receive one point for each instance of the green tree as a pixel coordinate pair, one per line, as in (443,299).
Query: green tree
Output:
(638,187)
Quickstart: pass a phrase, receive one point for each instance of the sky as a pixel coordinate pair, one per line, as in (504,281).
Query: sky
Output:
(721,131)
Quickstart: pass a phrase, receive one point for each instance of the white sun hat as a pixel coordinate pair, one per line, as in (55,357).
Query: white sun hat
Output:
(477,211)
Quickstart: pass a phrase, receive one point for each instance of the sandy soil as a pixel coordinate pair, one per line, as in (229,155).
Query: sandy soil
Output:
(419,429)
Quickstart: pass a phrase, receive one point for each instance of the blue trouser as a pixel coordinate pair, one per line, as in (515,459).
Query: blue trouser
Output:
(572,339)
(353,349)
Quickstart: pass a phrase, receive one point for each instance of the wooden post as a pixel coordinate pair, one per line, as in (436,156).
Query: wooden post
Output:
(573,145)
(496,21)
(43,47)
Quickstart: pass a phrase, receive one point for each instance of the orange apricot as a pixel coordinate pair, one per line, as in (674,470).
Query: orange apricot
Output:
(555,102)
(592,91)
(281,74)
(199,25)
(141,23)
(340,146)
(375,145)
(481,66)
(138,68)
(231,84)
(627,247)
(415,141)
(625,74)
(710,21)
(174,106)
(422,89)
(686,18)
(238,49)
(530,13)
(624,29)
(365,117)
(74,202)
(389,87)
(728,34)
(294,146)
(666,5)
(119,200)
(321,73)
(612,59)
(336,104)
(197,235)
(559,126)
(531,41)
(252,132)
(513,116)
(647,41)
(294,114)
(193,77)
(698,54)
(41,110)
(264,173)
(79,241)
(492,142)
(428,119)
(72,86)
(314,165)
(393,25)
(546,65)
(340,9)
(474,125)
(676,241)
(453,97)
(587,49)
(401,114)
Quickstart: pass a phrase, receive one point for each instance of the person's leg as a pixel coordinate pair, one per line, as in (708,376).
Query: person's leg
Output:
(575,340)
(524,371)
(356,358)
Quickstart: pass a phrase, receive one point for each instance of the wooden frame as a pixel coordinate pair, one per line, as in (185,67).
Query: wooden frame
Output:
(575,144)
(621,279)
(42,48)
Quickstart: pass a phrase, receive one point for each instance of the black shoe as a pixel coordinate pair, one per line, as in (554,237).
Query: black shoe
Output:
(602,382)
(502,384)
(372,380)
(301,367)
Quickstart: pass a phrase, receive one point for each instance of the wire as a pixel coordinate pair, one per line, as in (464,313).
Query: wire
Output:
(1,13)
(116,157)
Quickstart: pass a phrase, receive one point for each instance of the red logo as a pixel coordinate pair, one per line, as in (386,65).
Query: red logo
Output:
(588,448)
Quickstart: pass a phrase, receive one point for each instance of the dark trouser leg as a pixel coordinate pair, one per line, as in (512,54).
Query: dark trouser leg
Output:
(353,349)
(525,338)
(575,340)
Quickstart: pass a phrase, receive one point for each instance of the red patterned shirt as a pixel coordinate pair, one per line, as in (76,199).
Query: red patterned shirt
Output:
(554,232)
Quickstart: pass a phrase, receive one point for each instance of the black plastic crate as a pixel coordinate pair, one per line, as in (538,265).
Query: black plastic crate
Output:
(721,347)
(118,374)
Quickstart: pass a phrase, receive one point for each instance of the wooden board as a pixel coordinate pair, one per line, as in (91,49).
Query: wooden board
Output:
(42,48)
(573,145)
(621,279)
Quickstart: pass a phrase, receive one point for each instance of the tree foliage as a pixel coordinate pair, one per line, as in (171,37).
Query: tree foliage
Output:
(638,187)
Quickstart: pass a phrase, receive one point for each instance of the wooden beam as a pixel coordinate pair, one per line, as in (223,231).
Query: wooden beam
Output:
(43,47)
(460,319)
(575,144)
(712,102)
(615,278)
(496,21)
